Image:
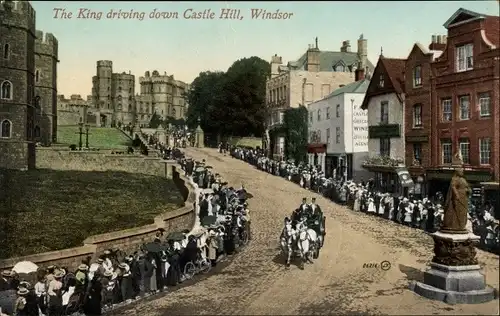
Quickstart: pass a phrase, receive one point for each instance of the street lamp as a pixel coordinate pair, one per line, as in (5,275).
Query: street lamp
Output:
(87,127)
(80,127)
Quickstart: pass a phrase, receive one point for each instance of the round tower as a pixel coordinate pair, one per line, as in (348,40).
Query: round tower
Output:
(46,59)
(124,97)
(103,81)
(17,67)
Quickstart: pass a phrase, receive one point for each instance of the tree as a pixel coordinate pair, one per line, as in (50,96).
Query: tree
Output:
(230,103)
(296,132)
(155,121)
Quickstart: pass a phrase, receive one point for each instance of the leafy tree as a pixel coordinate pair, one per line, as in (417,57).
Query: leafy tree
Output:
(296,132)
(230,103)
(155,121)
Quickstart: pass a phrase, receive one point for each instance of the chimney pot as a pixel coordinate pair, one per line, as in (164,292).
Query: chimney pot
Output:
(444,39)
(434,39)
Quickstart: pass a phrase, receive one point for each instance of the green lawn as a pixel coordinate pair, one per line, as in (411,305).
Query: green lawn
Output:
(99,137)
(44,210)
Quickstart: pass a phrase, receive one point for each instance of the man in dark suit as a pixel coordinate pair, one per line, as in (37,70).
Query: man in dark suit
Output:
(204,207)
(6,281)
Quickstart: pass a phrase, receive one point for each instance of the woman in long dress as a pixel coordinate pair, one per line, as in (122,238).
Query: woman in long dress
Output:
(381,206)
(153,285)
(408,214)
(357,198)
(371,206)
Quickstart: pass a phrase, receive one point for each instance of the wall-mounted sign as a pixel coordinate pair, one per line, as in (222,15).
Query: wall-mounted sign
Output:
(384,131)
(417,139)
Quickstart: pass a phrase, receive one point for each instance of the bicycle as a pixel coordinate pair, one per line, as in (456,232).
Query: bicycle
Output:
(201,265)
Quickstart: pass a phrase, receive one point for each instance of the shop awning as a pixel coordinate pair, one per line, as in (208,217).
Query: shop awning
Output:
(405,177)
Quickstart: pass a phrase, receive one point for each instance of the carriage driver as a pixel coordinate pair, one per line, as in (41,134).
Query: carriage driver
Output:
(300,211)
(315,218)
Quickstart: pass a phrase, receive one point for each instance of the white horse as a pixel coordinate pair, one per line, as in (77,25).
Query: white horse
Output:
(307,243)
(286,241)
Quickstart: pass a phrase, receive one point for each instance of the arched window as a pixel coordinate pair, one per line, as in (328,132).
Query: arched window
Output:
(37,103)
(6,51)
(6,90)
(319,115)
(119,98)
(37,75)
(5,129)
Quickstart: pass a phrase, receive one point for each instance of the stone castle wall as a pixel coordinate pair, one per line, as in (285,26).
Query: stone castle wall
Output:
(126,240)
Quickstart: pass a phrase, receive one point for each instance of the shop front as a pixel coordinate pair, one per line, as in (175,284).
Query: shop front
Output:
(316,155)
(395,180)
(439,179)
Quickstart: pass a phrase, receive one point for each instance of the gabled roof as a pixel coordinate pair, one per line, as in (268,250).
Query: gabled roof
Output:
(463,15)
(393,71)
(328,59)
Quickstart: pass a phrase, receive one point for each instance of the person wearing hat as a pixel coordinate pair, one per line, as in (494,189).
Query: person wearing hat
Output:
(20,304)
(81,277)
(54,292)
(41,291)
(6,280)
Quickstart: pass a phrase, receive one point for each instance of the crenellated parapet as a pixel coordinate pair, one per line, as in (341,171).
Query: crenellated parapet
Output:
(46,44)
(18,14)
(105,63)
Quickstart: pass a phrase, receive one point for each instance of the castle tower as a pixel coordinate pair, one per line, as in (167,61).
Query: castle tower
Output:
(46,59)
(101,92)
(122,95)
(17,68)
(276,61)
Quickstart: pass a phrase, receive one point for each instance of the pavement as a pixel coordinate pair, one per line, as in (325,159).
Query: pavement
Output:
(364,268)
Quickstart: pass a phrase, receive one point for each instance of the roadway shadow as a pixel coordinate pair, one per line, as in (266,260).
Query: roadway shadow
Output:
(280,259)
(412,274)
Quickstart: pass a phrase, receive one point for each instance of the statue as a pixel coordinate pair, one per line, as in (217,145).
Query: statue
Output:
(456,205)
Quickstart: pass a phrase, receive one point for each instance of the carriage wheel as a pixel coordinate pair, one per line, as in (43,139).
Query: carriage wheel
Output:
(205,266)
(189,270)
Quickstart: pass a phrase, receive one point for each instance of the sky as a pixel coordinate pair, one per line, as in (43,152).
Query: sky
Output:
(185,47)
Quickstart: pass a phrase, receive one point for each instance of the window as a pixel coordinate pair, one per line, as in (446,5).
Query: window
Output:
(464,57)
(417,152)
(446,151)
(281,117)
(328,113)
(337,135)
(319,115)
(417,115)
(6,90)
(339,68)
(385,147)
(119,89)
(337,111)
(465,150)
(484,151)
(318,134)
(446,108)
(484,104)
(37,75)
(37,132)
(5,129)
(327,136)
(381,81)
(37,102)
(384,112)
(464,103)
(417,76)
(6,51)
(119,98)
(310,117)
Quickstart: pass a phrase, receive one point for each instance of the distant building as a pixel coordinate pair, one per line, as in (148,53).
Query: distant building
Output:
(28,86)
(113,95)
(338,132)
(310,78)
(75,110)
(162,94)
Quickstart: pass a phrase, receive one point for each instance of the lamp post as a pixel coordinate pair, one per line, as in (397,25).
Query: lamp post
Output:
(87,127)
(80,127)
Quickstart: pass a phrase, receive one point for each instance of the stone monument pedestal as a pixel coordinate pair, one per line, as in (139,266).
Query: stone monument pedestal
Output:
(454,276)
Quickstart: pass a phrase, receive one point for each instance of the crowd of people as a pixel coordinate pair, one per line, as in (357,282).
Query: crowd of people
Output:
(418,212)
(114,278)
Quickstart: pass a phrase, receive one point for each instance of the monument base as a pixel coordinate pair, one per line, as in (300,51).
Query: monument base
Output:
(459,280)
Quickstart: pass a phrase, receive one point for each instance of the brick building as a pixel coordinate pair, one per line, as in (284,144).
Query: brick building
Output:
(465,102)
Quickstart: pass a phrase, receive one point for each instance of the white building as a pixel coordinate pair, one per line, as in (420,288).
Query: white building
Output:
(338,132)
(310,78)
(385,100)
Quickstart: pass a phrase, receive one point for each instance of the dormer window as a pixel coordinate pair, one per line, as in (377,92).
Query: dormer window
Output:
(339,68)
(464,57)
(417,76)
(381,81)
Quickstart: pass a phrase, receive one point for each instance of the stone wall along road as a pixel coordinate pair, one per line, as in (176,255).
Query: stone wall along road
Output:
(256,282)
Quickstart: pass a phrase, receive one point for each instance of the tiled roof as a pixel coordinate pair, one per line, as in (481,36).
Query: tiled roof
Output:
(359,86)
(395,69)
(328,59)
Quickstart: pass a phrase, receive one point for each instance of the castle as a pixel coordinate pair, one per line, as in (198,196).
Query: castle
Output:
(28,86)
(114,102)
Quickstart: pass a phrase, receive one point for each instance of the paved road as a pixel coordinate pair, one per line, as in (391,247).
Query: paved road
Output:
(256,282)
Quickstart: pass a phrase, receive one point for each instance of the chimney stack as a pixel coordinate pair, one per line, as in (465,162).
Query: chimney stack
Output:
(359,74)
(363,51)
(438,42)
(346,47)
